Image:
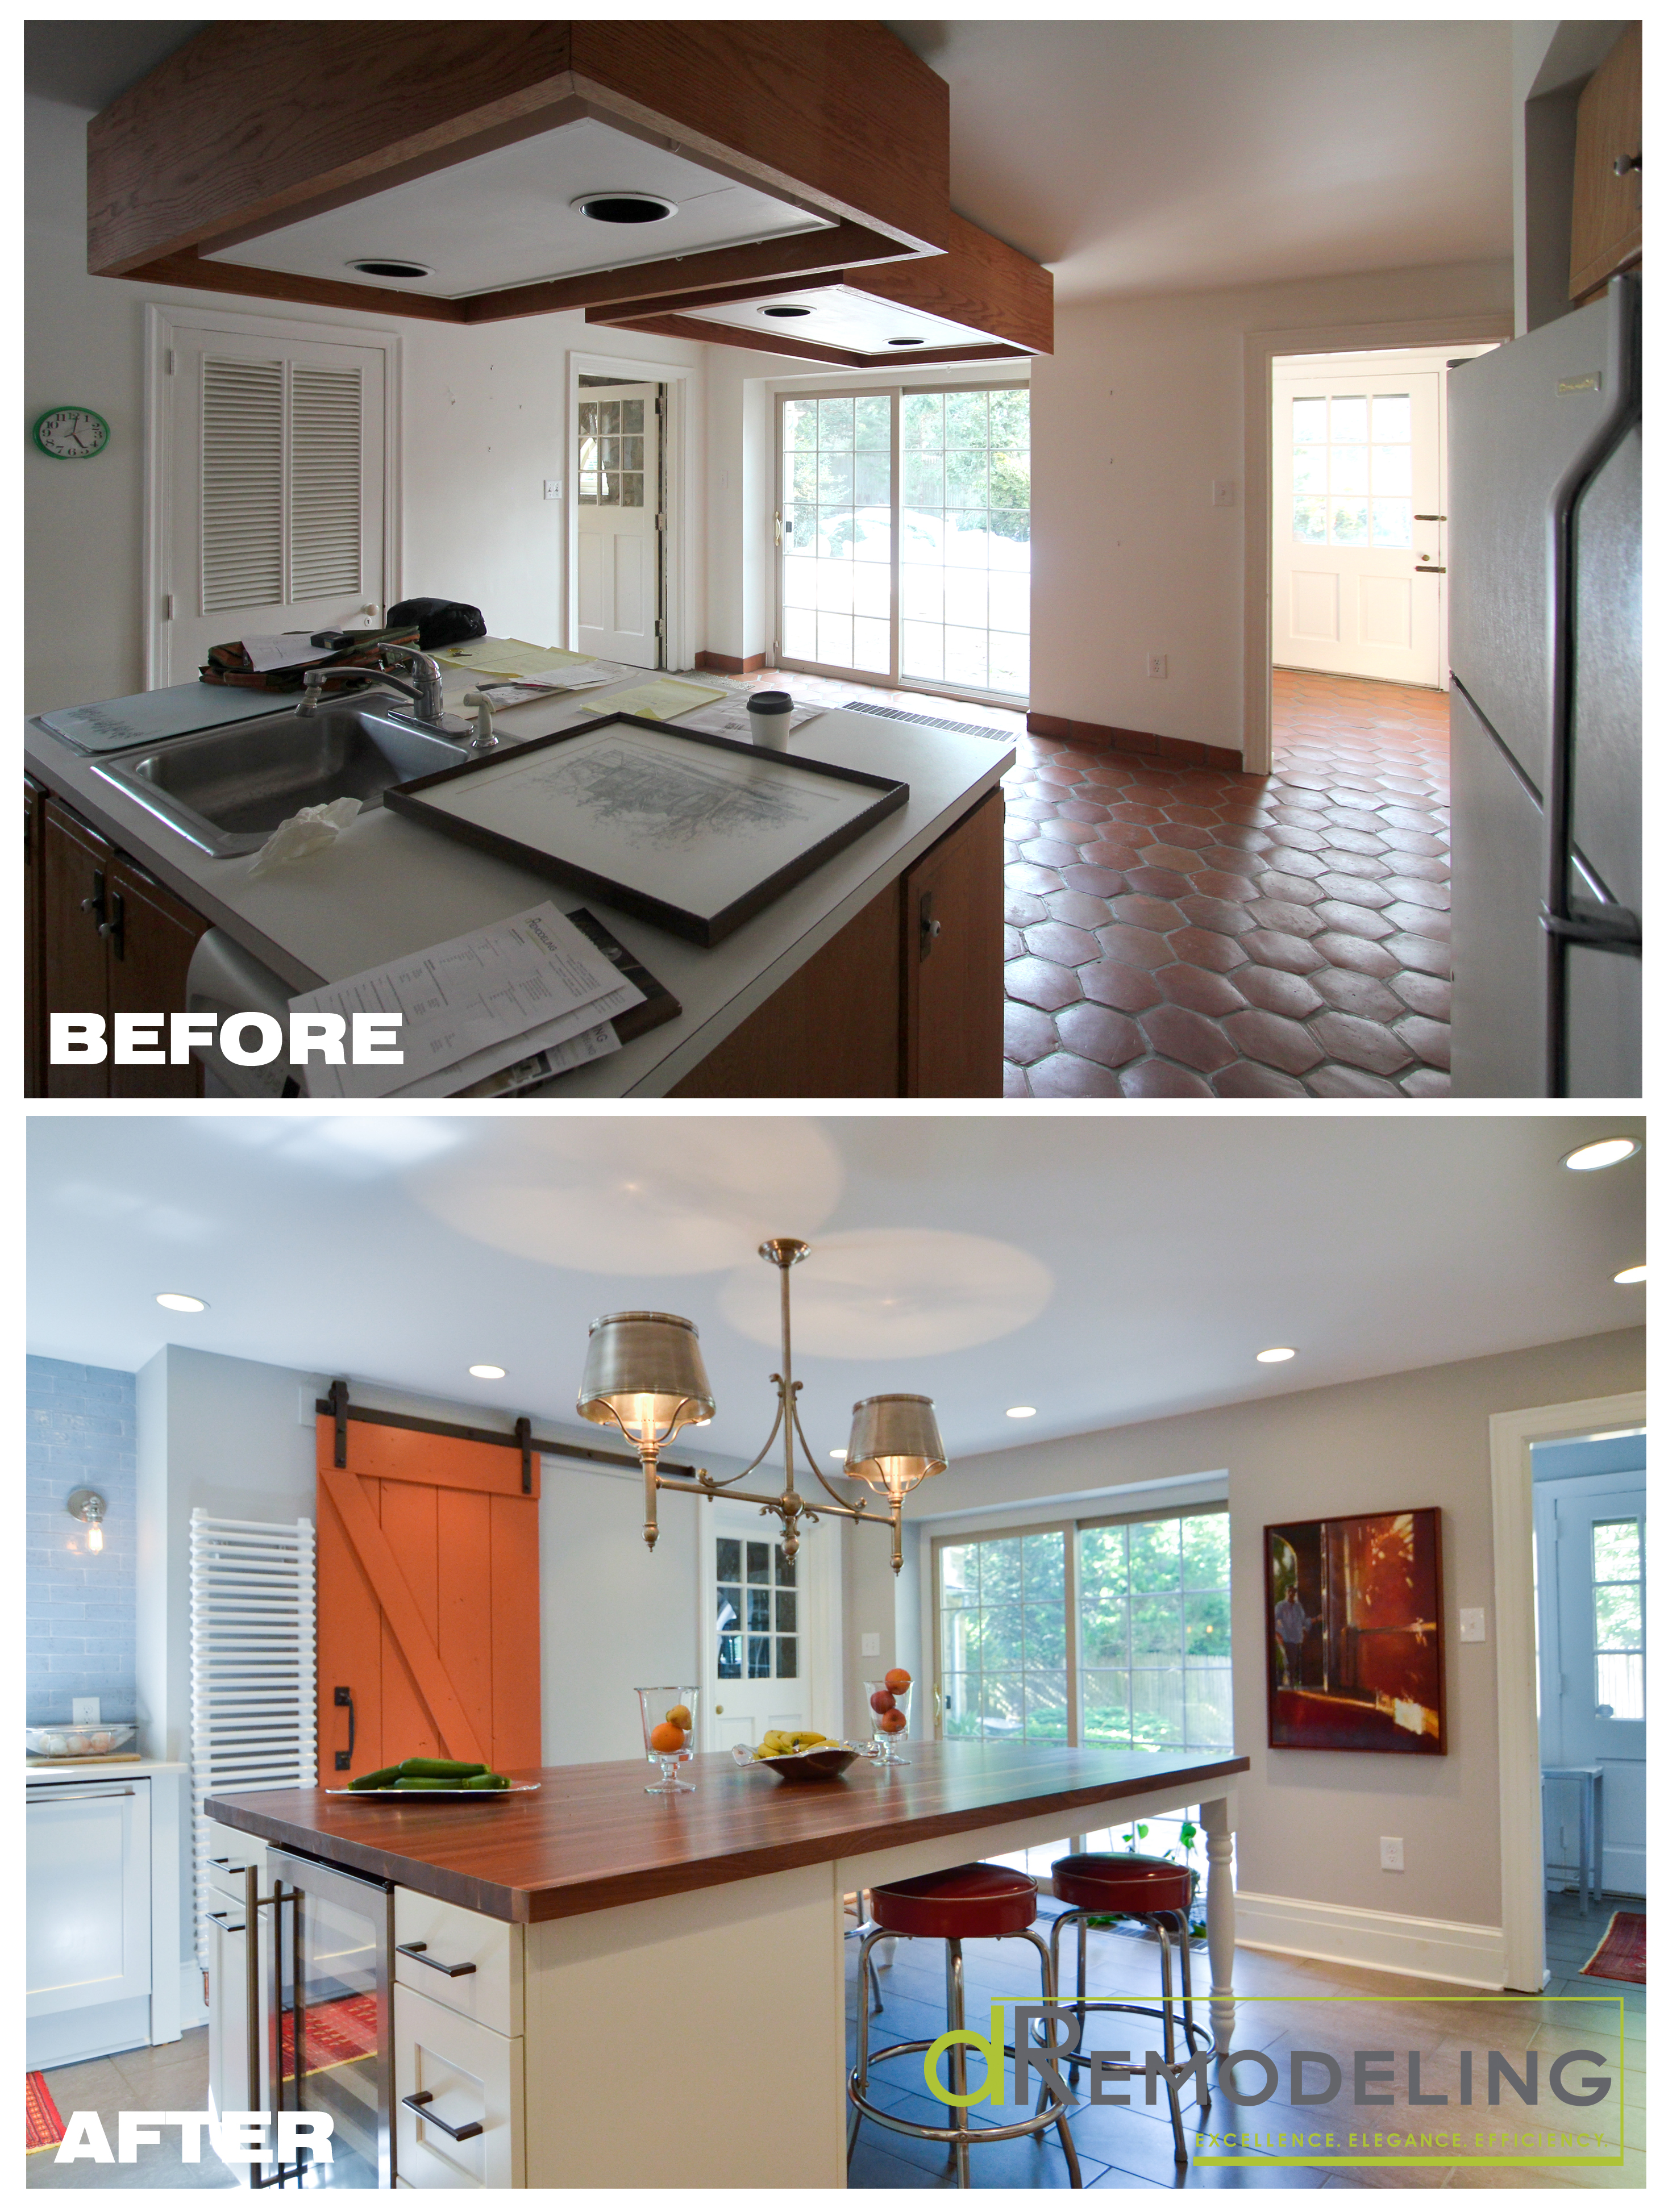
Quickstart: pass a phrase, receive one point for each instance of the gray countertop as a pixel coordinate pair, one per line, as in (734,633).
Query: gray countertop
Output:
(388,887)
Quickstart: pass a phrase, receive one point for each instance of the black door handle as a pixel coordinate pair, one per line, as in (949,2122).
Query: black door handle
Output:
(95,905)
(115,927)
(419,1952)
(344,1758)
(419,2100)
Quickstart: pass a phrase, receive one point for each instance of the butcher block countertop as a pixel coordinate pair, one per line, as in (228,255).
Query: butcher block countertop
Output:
(592,1837)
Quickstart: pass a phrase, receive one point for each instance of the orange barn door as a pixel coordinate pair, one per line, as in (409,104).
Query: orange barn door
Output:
(427,1602)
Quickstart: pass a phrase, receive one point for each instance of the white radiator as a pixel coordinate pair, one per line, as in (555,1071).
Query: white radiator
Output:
(253,1675)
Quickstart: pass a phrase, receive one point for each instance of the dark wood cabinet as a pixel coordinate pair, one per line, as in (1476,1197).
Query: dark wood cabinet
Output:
(1606,193)
(34,1057)
(905,1001)
(112,941)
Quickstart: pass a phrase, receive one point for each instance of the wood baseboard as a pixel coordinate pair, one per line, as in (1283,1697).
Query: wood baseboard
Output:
(1183,752)
(728,664)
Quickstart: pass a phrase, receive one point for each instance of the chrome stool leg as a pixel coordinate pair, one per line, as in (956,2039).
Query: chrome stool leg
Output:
(960,2136)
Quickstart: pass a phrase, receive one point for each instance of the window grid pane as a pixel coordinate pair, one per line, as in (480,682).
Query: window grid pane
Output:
(1351,474)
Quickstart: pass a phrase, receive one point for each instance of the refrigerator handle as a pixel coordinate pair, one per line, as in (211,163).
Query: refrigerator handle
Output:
(1618,418)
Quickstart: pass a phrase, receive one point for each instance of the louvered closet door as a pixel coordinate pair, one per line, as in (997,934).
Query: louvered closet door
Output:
(276,489)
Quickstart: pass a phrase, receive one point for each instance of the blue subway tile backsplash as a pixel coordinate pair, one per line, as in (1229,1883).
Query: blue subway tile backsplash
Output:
(80,1604)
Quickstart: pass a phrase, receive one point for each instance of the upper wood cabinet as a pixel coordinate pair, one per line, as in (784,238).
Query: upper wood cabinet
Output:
(1605,201)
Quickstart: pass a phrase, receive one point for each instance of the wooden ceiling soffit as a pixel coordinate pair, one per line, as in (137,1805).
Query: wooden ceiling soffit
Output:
(253,126)
(685,326)
(980,281)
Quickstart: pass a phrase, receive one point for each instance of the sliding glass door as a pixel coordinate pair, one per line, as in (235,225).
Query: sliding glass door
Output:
(902,530)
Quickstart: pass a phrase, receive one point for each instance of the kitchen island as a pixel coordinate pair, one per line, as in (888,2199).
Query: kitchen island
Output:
(658,1997)
(843,986)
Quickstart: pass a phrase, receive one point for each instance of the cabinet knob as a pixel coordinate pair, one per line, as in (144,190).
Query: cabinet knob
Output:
(928,928)
(1627,165)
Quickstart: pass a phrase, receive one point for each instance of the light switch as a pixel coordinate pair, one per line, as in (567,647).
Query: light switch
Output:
(551,487)
(869,1647)
(1224,492)
(83,1713)
(1473,1624)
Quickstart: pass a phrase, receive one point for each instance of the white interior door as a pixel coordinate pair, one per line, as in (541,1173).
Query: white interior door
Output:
(274,489)
(1358,526)
(764,1661)
(620,523)
(1592,1594)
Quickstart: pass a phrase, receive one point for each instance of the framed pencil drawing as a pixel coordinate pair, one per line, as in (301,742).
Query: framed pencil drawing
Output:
(694,831)
(1354,1634)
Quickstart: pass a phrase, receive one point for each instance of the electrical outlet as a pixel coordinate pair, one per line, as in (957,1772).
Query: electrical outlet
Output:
(1392,1854)
(869,1647)
(1156,665)
(83,1713)
(1473,1624)
(551,487)
(1224,492)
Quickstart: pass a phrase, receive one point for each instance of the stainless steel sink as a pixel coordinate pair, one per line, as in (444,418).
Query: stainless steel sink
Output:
(227,789)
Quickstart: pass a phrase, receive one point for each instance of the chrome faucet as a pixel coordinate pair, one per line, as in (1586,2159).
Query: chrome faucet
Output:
(422,685)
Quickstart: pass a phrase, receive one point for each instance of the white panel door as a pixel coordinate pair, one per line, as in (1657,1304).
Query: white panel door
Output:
(620,523)
(1592,1591)
(759,1676)
(274,489)
(88,1912)
(1357,517)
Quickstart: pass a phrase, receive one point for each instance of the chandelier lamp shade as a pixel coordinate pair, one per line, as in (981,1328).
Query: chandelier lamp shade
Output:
(644,1375)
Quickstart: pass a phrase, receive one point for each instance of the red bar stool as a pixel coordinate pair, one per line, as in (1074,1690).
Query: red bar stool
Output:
(1149,1889)
(964,1901)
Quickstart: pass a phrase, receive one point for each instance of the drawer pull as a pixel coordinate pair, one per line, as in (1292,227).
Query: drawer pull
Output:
(223,1920)
(419,1952)
(227,1864)
(419,2103)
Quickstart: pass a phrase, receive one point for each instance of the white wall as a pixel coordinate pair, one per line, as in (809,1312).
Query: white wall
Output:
(1136,415)
(485,423)
(1311,1821)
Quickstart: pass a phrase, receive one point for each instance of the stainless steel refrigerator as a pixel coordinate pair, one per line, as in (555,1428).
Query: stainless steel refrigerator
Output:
(1546,709)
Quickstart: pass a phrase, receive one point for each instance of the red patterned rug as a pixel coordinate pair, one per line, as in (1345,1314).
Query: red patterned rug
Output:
(1621,1954)
(336,2034)
(46,2122)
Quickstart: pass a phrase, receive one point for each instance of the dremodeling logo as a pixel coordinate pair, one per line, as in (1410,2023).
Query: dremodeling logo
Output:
(1553,2098)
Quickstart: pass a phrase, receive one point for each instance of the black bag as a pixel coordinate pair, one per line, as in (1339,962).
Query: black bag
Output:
(443,622)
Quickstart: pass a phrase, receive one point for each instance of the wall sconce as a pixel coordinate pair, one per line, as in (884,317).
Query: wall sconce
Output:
(87,1506)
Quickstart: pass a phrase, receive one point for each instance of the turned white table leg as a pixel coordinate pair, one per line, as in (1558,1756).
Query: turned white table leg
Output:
(1222,1920)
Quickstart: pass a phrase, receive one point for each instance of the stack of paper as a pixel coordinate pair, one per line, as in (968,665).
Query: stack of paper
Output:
(511,656)
(534,983)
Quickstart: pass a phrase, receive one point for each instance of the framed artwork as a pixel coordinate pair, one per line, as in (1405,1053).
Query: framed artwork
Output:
(1354,1634)
(692,830)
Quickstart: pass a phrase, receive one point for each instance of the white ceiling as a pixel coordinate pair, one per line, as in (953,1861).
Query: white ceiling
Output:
(1176,155)
(507,218)
(1103,1269)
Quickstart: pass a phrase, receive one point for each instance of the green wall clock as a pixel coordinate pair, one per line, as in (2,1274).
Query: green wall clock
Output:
(71,433)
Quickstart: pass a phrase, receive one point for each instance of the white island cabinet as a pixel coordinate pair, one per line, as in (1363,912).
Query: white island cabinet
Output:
(103,1919)
(593,1988)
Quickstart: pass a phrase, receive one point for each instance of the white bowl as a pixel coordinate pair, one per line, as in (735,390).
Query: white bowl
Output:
(84,1743)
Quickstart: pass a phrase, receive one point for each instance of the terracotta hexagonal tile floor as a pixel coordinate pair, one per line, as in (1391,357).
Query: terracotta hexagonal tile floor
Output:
(1198,933)
(1188,933)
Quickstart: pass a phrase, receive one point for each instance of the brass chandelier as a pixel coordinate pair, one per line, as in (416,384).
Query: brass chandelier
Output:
(644,1375)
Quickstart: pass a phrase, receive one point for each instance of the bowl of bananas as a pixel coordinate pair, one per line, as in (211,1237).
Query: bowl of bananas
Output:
(800,1755)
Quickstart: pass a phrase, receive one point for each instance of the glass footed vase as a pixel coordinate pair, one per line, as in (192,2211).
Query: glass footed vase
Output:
(888,1711)
(669,1741)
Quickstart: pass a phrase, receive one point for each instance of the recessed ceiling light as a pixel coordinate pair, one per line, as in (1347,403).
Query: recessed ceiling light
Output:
(1602,1152)
(1274,1352)
(381,268)
(625,207)
(1631,1274)
(1020,1412)
(180,1301)
(906,341)
(837,1455)
(782,312)
(487,1373)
